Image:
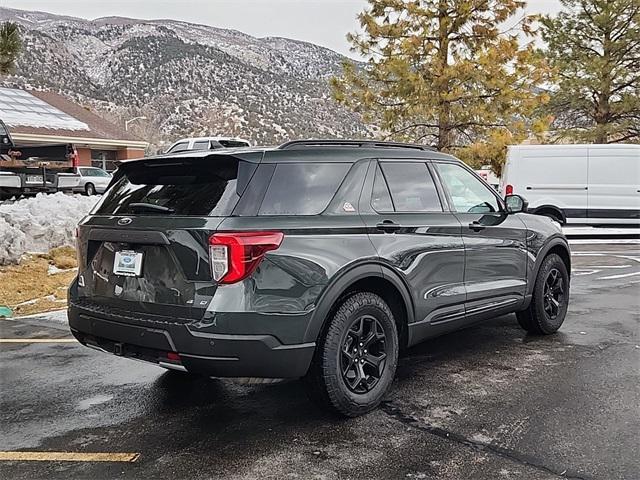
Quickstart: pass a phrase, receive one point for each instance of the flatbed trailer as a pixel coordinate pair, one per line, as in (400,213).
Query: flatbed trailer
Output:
(29,169)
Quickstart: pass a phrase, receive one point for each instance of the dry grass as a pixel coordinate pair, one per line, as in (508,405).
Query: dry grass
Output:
(62,257)
(29,288)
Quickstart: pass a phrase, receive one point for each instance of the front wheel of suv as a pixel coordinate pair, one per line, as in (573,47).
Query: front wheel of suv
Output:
(550,301)
(356,358)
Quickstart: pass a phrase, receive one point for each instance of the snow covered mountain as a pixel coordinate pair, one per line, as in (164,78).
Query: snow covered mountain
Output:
(187,79)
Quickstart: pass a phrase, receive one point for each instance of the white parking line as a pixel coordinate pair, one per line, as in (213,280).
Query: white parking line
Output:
(596,241)
(622,275)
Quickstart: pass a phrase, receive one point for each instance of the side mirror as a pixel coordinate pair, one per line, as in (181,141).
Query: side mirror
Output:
(516,204)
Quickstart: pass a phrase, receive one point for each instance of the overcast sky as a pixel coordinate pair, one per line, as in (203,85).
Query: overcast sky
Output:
(324,22)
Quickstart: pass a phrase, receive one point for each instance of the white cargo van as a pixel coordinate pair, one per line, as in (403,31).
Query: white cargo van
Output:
(577,184)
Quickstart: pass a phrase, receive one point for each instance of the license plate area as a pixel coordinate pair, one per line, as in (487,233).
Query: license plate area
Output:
(127,263)
(35,179)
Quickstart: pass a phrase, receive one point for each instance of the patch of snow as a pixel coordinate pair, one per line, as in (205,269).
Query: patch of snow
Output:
(27,302)
(53,270)
(24,19)
(482,438)
(12,243)
(40,223)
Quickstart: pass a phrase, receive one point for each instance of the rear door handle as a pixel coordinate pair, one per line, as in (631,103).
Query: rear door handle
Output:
(476,226)
(388,226)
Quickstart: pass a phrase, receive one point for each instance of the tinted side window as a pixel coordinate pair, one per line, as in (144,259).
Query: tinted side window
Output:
(232,143)
(468,194)
(179,147)
(201,145)
(302,188)
(412,188)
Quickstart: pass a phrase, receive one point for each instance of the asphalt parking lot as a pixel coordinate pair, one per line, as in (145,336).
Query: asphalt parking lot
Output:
(488,402)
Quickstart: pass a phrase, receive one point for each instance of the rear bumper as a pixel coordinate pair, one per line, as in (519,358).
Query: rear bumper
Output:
(215,355)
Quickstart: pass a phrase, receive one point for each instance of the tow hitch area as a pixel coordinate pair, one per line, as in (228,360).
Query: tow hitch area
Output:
(118,349)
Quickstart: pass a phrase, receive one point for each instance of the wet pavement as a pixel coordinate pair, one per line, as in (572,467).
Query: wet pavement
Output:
(489,402)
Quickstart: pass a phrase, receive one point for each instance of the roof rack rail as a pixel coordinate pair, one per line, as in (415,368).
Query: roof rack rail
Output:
(352,143)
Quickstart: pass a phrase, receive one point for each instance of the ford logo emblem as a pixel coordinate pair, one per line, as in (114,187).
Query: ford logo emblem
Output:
(125,221)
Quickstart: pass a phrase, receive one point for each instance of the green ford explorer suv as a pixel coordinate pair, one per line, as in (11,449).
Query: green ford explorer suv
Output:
(319,259)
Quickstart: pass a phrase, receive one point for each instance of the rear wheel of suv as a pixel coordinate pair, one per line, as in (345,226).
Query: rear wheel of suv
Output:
(550,299)
(356,358)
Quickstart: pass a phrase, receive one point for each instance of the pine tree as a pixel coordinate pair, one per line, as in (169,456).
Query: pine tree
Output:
(450,73)
(10,45)
(595,47)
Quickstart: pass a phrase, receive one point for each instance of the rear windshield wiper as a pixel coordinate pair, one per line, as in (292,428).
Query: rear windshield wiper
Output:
(150,207)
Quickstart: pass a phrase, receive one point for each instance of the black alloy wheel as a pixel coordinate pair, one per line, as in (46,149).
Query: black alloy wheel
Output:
(554,296)
(364,354)
(356,357)
(550,299)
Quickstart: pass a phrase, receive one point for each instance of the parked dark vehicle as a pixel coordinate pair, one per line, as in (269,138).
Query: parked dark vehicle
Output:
(315,259)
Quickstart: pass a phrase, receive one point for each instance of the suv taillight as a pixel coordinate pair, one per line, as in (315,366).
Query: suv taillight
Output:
(235,255)
(508,190)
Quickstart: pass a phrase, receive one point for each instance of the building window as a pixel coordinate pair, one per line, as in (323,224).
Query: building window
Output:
(105,159)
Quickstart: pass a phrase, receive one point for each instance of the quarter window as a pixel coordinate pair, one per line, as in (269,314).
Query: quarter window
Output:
(302,188)
(468,194)
(412,187)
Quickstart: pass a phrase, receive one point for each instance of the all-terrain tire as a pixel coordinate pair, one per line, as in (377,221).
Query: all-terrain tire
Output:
(325,382)
(536,319)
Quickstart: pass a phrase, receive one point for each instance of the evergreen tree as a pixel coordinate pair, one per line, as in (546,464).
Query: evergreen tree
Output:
(595,47)
(450,73)
(10,45)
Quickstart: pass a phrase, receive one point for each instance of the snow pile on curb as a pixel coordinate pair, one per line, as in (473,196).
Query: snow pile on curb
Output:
(40,223)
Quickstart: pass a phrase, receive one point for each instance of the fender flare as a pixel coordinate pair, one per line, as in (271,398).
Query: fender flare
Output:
(553,242)
(341,282)
(560,211)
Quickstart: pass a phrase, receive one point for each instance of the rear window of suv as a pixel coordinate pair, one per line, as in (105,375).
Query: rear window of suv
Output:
(182,187)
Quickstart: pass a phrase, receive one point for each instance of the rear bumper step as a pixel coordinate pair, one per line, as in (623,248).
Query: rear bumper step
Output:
(208,354)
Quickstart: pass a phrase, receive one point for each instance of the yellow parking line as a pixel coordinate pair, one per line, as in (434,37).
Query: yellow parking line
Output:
(38,340)
(67,457)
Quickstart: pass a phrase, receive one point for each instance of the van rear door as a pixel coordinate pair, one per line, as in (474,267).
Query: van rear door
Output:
(614,184)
